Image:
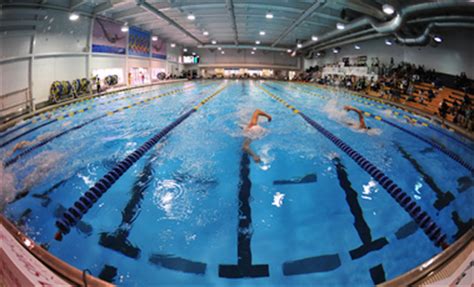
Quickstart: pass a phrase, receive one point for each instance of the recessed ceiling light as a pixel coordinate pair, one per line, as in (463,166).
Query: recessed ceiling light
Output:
(214,42)
(262,33)
(336,50)
(299,45)
(205,33)
(222,52)
(194,53)
(124,28)
(154,38)
(289,50)
(318,54)
(388,9)
(438,39)
(219,48)
(257,42)
(73,17)
(314,38)
(191,17)
(185,50)
(173,45)
(388,42)
(269,15)
(252,52)
(254,48)
(340,26)
(357,47)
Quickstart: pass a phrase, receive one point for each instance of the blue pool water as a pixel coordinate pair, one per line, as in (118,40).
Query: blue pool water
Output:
(195,210)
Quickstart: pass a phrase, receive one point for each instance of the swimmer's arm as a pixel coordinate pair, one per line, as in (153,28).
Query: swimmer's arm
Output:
(247,149)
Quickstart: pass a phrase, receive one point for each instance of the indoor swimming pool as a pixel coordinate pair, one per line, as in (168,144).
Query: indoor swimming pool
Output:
(327,203)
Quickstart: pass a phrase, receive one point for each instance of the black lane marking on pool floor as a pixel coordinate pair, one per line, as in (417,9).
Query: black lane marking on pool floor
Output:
(406,230)
(315,264)
(118,240)
(464,183)
(309,178)
(361,226)
(377,273)
(108,273)
(178,264)
(462,226)
(443,199)
(244,267)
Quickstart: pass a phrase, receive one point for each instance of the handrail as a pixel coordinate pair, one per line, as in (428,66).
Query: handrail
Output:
(13,93)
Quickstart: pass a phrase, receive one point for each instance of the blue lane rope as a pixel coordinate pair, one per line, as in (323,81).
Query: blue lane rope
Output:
(12,130)
(27,132)
(438,147)
(424,221)
(85,202)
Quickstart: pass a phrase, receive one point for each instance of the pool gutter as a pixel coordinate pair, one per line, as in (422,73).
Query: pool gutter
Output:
(439,267)
(13,121)
(41,259)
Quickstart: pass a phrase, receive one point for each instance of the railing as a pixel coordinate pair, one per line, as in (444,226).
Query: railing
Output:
(14,103)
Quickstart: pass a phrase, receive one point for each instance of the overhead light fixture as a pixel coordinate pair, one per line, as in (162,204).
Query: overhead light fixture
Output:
(388,9)
(219,48)
(173,45)
(438,39)
(357,47)
(257,42)
(214,42)
(262,33)
(299,45)
(124,28)
(289,50)
(340,26)
(252,52)
(205,33)
(254,48)
(269,15)
(314,38)
(336,50)
(191,17)
(318,54)
(73,16)
(154,38)
(185,50)
(194,53)
(388,42)
(222,52)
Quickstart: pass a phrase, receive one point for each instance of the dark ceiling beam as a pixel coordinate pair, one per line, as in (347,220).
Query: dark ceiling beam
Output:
(230,9)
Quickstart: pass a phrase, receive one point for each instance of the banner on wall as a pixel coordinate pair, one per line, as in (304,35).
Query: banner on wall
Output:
(158,49)
(107,37)
(138,42)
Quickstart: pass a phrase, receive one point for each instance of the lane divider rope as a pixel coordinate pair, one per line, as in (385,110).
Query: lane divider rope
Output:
(74,214)
(26,151)
(424,221)
(437,146)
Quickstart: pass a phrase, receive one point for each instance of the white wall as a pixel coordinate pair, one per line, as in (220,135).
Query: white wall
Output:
(453,56)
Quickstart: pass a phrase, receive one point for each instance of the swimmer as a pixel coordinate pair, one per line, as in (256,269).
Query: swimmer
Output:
(361,116)
(253,124)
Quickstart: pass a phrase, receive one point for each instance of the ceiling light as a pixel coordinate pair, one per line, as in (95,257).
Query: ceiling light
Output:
(219,48)
(299,45)
(222,52)
(73,17)
(185,50)
(257,42)
(205,33)
(154,38)
(438,39)
(262,33)
(357,47)
(314,38)
(252,52)
(318,54)
(269,15)
(336,50)
(173,45)
(340,26)
(191,17)
(194,53)
(388,9)
(254,48)
(124,28)
(289,50)
(388,42)
(214,42)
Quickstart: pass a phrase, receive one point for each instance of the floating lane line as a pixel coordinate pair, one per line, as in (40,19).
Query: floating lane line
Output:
(49,113)
(85,202)
(437,146)
(26,151)
(382,104)
(73,113)
(424,221)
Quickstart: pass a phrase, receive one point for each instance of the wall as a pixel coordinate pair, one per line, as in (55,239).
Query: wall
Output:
(453,56)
